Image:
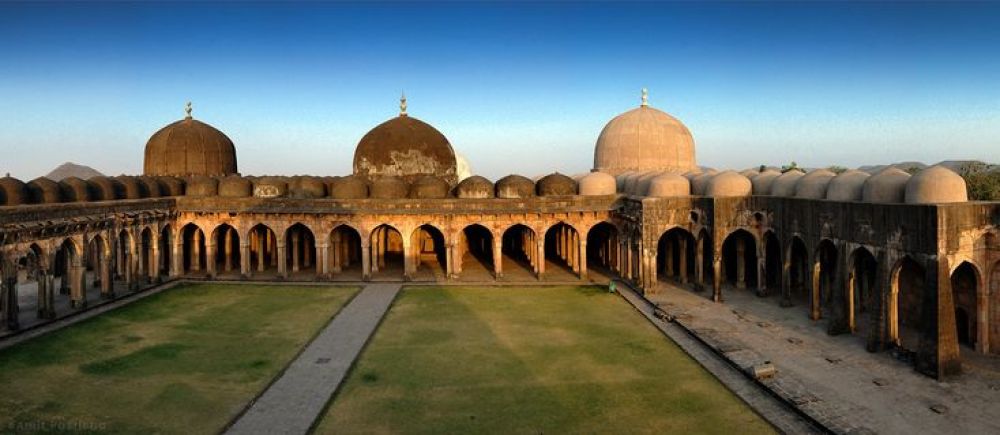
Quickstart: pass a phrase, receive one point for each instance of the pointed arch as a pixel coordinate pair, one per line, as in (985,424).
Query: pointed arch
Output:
(387,252)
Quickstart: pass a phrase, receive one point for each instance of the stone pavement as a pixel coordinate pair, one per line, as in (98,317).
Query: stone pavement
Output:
(833,379)
(297,398)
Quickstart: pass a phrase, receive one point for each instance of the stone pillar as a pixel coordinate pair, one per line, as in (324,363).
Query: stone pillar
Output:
(77,287)
(716,276)
(322,261)
(375,247)
(140,260)
(366,261)
(540,252)
(261,249)
(409,265)
(296,243)
(228,250)
(210,256)
(8,300)
(49,312)
(196,251)
(497,257)
(307,253)
(383,245)
(682,260)
(282,257)
(107,286)
(271,247)
(154,261)
(337,252)
(582,257)
(177,258)
(574,252)
(244,259)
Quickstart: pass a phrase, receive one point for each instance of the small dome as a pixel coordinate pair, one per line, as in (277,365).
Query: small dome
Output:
(935,185)
(429,187)
(13,191)
(641,187)
(75,189)
(104,188)
(784,184)
(848,186)
(669,186)
(556,184)
(886,187)
(201,186)
(44,191)
(270,187)
(690,175)
(405,147)
(620,180)
(813,185)
(235,186)
(349,187)
(474,187)
(389,188)
(151,186)
(699,184)
(631,181)
(130,187)
(763,180)
(728,183)
(597,184)
(189,147)
(644,139)
(306,187)
(515,186)
(171,186)
(749,173)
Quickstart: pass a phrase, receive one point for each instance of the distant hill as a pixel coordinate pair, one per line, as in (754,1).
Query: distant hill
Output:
(70,169)
(954,165)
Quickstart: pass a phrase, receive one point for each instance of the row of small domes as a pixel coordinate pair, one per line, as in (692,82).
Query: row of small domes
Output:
(936,184)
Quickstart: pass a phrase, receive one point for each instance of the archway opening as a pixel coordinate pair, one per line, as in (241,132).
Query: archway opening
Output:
(964,290)
(263,258)
(71,273)
(602,249)
(148,267)
(907,304)
(739,260)
(519,246)
(772,263)
(562,249)
(125,261)
(300,251)
(430,255)
(798,273)
(994,306)
(227,250)
(387,252)
(96,268)
(166,250)
(475,253)
(345,253)
(863,300)
(675,256)
(824,279)
(193,239)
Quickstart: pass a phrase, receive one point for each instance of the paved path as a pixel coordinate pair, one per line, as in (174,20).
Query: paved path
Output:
(293,402)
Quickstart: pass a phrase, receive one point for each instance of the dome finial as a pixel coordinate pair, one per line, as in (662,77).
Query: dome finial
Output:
(187,109)
(645,97)
(402,104)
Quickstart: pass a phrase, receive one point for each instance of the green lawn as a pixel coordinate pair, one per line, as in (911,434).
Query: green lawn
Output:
(183,361)
(542,360)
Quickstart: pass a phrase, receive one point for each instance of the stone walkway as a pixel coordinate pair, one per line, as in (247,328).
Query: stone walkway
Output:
(293,403)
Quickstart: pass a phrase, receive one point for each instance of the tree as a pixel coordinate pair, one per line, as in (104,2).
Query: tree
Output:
(789,167)
(981,181)
(837,169)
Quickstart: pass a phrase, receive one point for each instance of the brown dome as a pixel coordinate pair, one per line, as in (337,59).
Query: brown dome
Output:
(515,186)
(75,189)
(349,187)
(270,187)
(428,187)
(189,147)
(728,183)
(201,186)
(597,183)
(406,147)
(130,187)
(669,185)
(644,139)
(13,191)
(813,185)
(390,188)
(172,186)
(151,185)
(104,188)
(44,191)
(847,186)
(763,180)
(306,187)
(886,187)
(556,184)
(235,186)
(934,185)
(475,187)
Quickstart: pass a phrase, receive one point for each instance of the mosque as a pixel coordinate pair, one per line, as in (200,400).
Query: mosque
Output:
(904,262)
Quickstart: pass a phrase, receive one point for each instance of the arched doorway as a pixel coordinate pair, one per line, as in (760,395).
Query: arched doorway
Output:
(862,301)
(906,306)
(430,256)
(739,260)
(148,269)
(602,249)
(474,259)
(99,257)
(824,280)
(345,253)
(387,252)
(519,247)
(964,290)
(125,270)
(71,270)
(772,264)
(227,251)
(263,257)
(193,240)
(562,248)
(798,273)
(300,252)
(166,250)
(675,256)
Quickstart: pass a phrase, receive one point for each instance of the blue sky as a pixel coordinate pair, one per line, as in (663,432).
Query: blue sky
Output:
(522,88)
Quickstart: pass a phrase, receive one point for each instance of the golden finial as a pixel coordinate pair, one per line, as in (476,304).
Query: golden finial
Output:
(402,104)
(645,97)
(187,109)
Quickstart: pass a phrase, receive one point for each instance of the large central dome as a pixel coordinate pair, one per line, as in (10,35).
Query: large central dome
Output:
(405,147)
(189,147)
(644,139)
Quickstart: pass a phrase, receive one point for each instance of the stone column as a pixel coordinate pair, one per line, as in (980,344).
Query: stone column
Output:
(450,262)
(140,260)
(682,260)
(540,252)
(296,243)
(244,259)
(196,251)
(261,249)
(741,264)
(107,286)
(210,256)
(154,261)
(323,261)
(574,252)
(337,252)
(228,250)
(375,248)
(282,258)
(366,261)
(77,287)
(497,258)
(582,257)
(8,300)
(717,278)
(50,296)
(307,253)
(177,258)
(409,266)
(271,247)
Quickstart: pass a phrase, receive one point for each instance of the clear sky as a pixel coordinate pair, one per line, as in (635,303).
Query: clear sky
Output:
(522,88)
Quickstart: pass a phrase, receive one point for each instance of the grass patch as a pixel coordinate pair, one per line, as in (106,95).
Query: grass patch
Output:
(539,360)
(182,361)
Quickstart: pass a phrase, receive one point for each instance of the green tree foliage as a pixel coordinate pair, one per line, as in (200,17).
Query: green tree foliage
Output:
(982,181)
(789,167)
(837,169)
